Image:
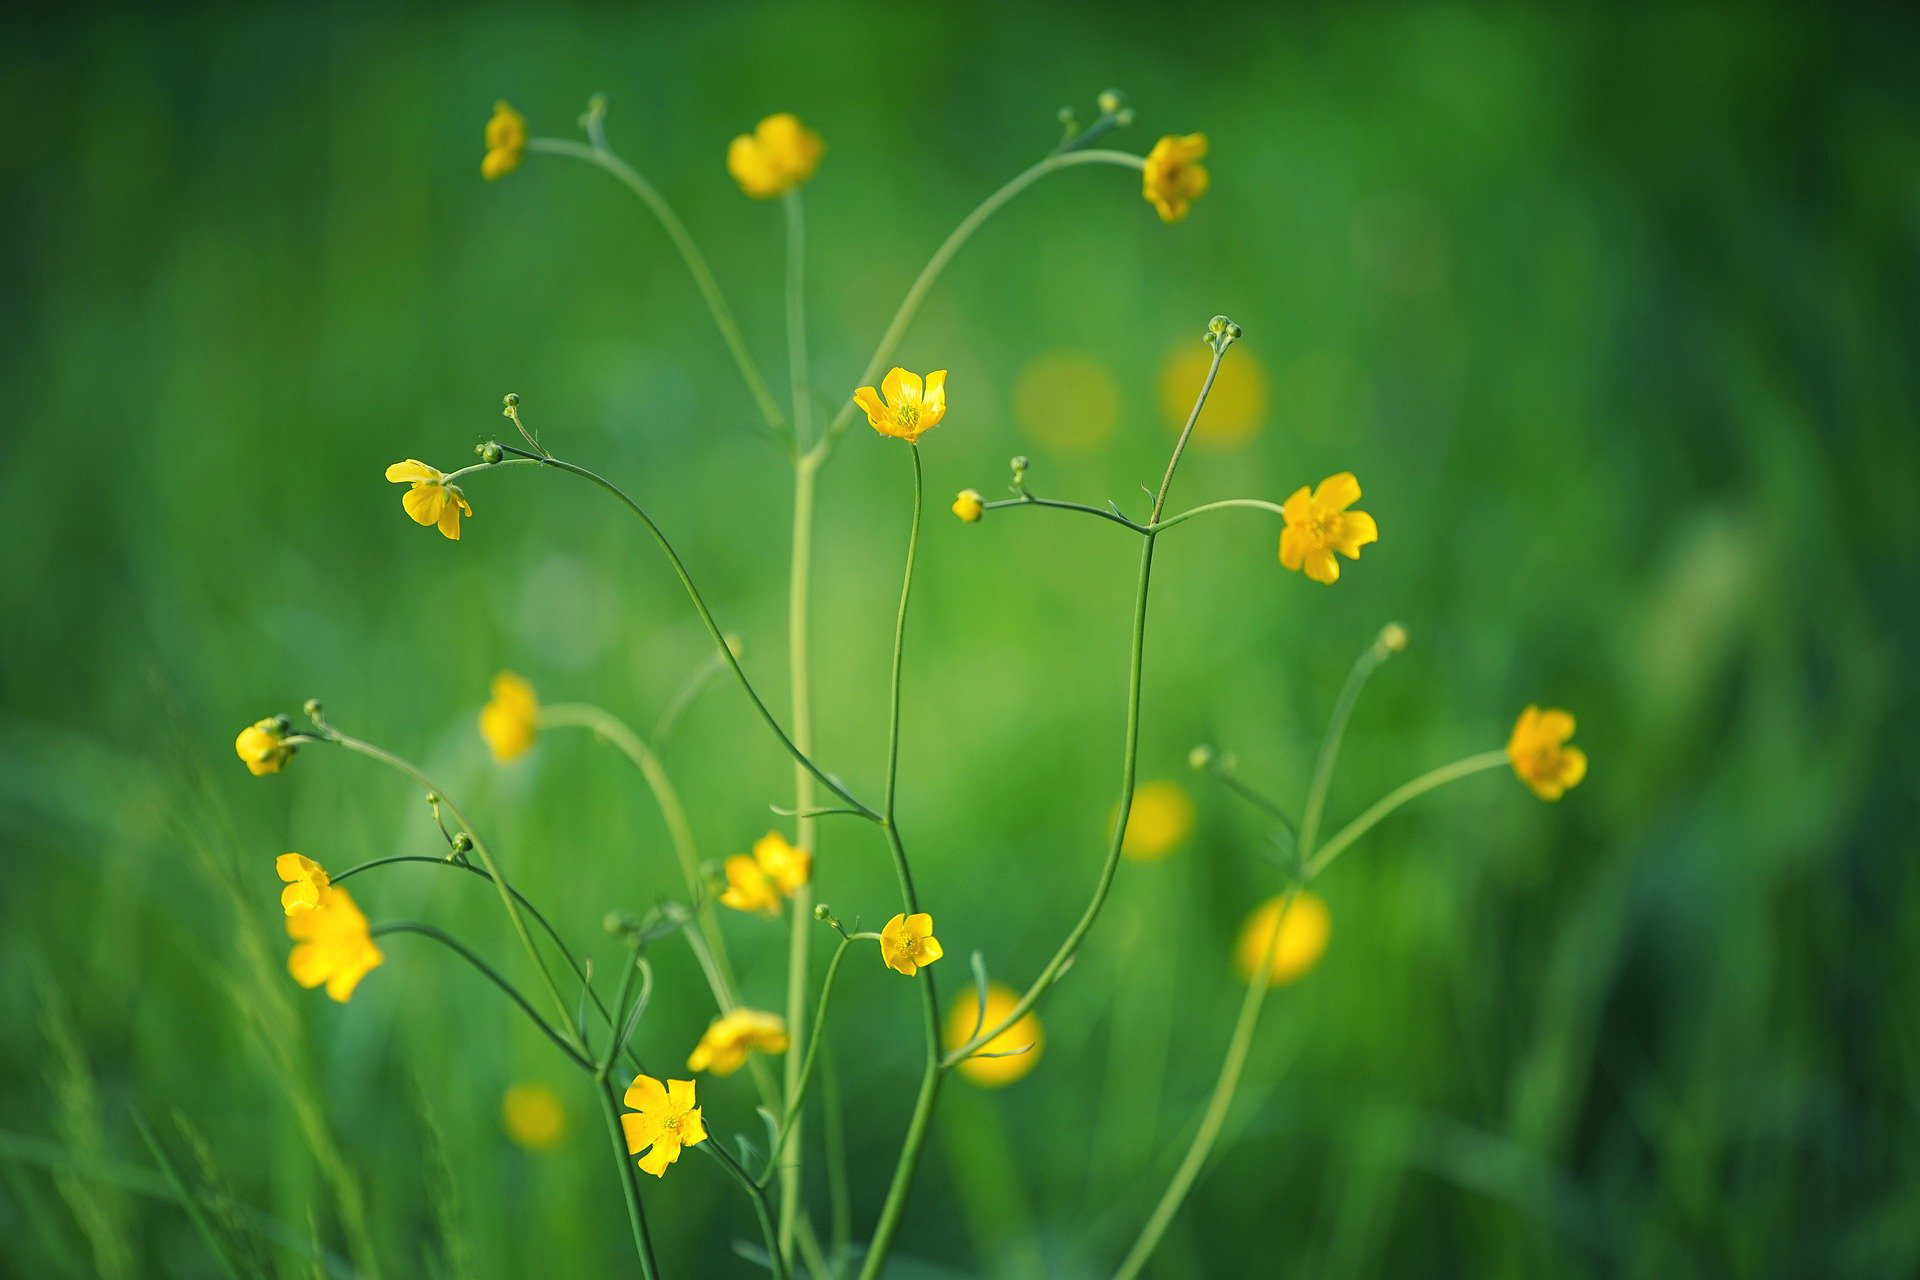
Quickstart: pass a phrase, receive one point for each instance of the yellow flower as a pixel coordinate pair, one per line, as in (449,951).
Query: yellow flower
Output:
(263,747)
(1540,754)
(723,1049)
(332,945)
(748,887)
(779,155)
(1173,178)
(1303,937)
(532,1116)
(965,1021)
(667,1121)
(506,142)
(910,409)
(907,943)
(785,865)
(511,717)
(1161,817)
(1236,407)
(1319,524)
(969,506)
(306,882)
(431,500)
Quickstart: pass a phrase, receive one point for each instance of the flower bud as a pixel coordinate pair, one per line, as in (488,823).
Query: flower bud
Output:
(1110,102)
(1393,637)
(312,708)
(1200,757)
(822,912)
(463,843)
(969,506)
(509,403)
(282,725)
(490,452)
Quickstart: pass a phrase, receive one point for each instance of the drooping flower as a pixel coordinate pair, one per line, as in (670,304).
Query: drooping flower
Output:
(1319,524)
(907,943)
(779,155)
(306,882)
(1160,819)
(506,142)
(531,1114)
(1541,755)
(1021,1042)
(431,500)
(723,1049)
(1302,941)
(1173,178)
(332,945)
(969,506)
(911,408)
(511,718)
(666,1121)
(263,747)
(749,888)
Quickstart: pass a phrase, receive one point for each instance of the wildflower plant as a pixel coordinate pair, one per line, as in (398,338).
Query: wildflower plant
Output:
(992,1034)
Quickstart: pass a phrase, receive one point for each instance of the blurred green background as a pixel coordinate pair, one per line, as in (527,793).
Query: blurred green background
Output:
(1613,314)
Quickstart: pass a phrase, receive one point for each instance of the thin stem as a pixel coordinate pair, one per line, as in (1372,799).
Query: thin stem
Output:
(1399,796)
(629,1179)
(490,973)
(1258,504)
(1130,751)
(1365,665)
(755,1192)
(1028,500)
(797,1090)
(1215,1116)
(923,283)
(676,230)
(683,697)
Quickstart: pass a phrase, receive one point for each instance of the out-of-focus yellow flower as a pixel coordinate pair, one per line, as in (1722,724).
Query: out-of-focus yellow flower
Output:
(331,945)
(1161,817)
(431,500)
(667,1120)
(263,747)
(779,155)
(1303,937)
(785,865)
(907,943)
(965,1021)
(511,718)
(969,506)
(910,408)
(532,1116)
(1067,402)
(1173,178)
(758,882)
(1541,755)
(306,882)
(723,1049)
(1319,524)
(1236,408)
(506,142)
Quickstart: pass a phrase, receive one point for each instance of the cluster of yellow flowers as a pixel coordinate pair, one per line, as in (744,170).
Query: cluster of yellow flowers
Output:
(332,943)
(506,143)
(774,871)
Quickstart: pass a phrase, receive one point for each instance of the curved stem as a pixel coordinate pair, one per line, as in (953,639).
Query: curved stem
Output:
(676,230)
(492,975)
(797,1090)
(923,283)
(1258,504)
(1028,500)
(1399,796)
(1215,1116)
(1369,661)
(629,1179)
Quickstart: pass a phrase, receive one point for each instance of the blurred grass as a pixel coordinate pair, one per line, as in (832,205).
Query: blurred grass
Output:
(1612,313)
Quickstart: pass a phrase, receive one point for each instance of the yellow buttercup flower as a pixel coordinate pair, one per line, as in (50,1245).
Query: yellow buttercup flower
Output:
(511,718)
(532,1116)
(1160,819)
(907,943)
(785,865)
(1303,937)
(263,747)
(306,882)
(969,506)
(667,1121)
(774,870)
(431,500)
(1173,178)
(332,945)
(1319,524)
(723,1049)
(965,1021)
(911,409)
(1541,755)
(779,155)
(506,142)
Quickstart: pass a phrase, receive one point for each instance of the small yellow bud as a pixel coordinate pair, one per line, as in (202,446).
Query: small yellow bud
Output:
(1393,637)
(1200,757)
(969,506)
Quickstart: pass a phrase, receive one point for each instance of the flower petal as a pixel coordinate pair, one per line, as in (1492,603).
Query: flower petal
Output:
(666,1149)
(869,399)
(1357,529)
(424,502)
(1293,545)
(640,1131)
(1321,566)
(693,1130)
(1573,767)
(1554,725)
(900,387)
(450,518)
(919,925)
(1337,492)
(1298,508)
(680,1095)
(646,1094)
(412,471)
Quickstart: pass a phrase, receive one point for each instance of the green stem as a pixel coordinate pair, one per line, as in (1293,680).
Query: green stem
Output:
(796,1090)
(629,1179)
(1399,796)
(1365,665)
(1130,751)
(1258,504)
(676,230)
(1028,500)
(917,294)
(492,975)
(756,1193)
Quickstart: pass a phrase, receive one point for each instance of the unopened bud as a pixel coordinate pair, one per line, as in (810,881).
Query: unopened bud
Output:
(969,506)
(463,843)
(1200,757)
(509,403)
(282,726)
(490,452)
(1393,637)
(1110,102)
(822,912)
(312,708)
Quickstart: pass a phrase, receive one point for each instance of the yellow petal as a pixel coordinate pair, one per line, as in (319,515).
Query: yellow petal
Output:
(1321,566)
(310,962)
(869,399)
(424,502)
(666,1149)
(1337,492)
(1357,529)
(680,1095)
(693,1130)
(919,925)
(450,519)
(1293,545)
(930,950)
(1573,767)
(1554,725)
(412,471)
(934,397)
(640,1131)
(1298,508)
(646,1094)
(900,387)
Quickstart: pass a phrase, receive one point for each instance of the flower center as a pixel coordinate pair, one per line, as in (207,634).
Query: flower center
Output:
(908,414)
(1323,527)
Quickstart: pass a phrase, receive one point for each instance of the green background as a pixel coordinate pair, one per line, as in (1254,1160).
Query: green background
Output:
(1613,315)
